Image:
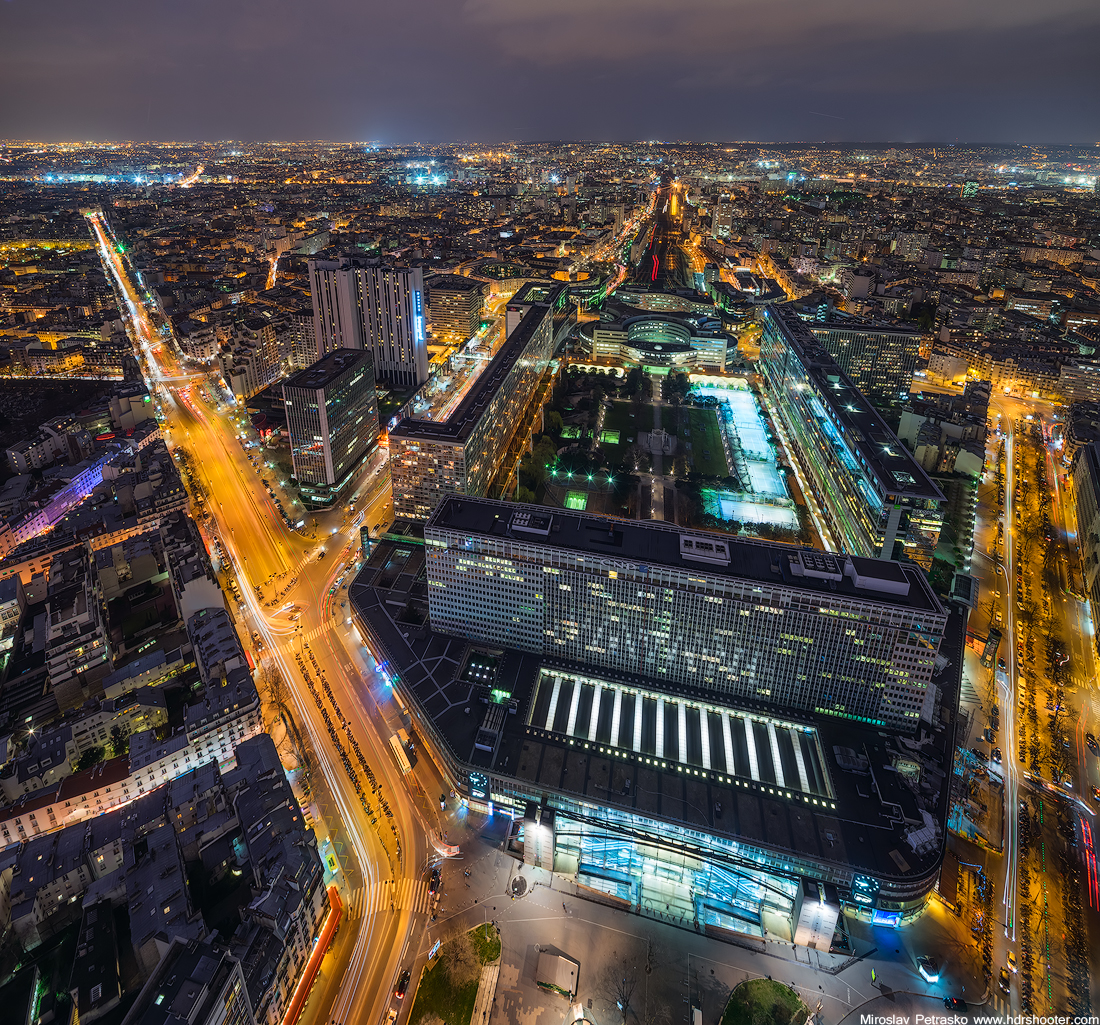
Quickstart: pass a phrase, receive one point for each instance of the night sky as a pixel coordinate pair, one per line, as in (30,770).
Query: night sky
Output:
(485,70)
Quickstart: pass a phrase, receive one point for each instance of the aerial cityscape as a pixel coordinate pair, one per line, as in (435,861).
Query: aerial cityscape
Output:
(496,571)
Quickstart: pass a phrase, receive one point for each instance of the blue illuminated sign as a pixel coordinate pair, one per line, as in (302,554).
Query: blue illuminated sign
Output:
(479,786)
(418,317)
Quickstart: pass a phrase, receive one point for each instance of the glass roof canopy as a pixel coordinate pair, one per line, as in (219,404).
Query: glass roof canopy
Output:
(739,747)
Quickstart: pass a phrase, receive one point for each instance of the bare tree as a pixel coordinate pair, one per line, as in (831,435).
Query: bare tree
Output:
(270,681)
(655,1013)
(461,961)
(655,954)
(619,982)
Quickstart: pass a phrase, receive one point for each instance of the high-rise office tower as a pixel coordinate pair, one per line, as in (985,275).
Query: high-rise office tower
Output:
(880,358)
(722,217)
(455,302)
(332,416)
(363,303)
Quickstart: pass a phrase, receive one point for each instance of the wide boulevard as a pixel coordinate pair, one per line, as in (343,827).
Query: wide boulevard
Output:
(291,611)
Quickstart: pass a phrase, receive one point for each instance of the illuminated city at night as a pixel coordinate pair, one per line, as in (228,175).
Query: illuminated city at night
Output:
(565,513)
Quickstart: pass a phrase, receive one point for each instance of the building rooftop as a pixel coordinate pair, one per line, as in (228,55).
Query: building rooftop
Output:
(454,283)
(884,457)
(461,422)
(327,369)
(94,981)
(651,543)
(185,986)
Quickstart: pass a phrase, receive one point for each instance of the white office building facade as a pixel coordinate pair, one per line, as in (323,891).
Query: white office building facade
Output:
(363,303)
(865,650)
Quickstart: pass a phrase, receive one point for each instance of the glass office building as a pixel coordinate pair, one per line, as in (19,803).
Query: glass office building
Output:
(879,358)
(645,785)
(332,417)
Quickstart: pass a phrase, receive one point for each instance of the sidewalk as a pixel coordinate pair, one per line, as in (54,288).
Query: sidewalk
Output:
(597,934)
(486,992)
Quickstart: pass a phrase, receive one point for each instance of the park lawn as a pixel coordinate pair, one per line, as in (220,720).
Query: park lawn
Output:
(486,943)
(436,995)
(764,1002)
(619,418)
(705,437)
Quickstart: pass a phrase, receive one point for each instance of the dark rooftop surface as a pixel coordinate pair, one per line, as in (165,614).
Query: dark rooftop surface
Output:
(185,985)
(888,460)
(454,283)
(875,810)
(650,542)
(327,369)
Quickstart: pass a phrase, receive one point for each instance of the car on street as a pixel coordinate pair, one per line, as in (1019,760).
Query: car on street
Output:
(433,883)
(1002,980)
(1091,741)
(1096,793)
(996,754)
(929,968)
(1012,962)
(403,984)
(954,1004)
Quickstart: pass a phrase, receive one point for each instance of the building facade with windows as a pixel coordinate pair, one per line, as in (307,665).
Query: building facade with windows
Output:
(455,302)
(478,446)
(879,358)
(1086,492)
(637,778)
(845,636)
(876,499)
(363,303)
(332,417)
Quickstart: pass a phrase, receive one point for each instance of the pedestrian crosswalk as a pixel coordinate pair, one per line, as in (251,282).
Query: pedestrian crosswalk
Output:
(312,635)
(407,894)
(999,1003)
(969,693)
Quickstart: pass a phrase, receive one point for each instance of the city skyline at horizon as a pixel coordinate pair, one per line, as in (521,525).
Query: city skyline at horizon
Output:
(497,69)
(382,144)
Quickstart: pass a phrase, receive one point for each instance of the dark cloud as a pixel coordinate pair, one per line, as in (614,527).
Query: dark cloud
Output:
(492,69)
